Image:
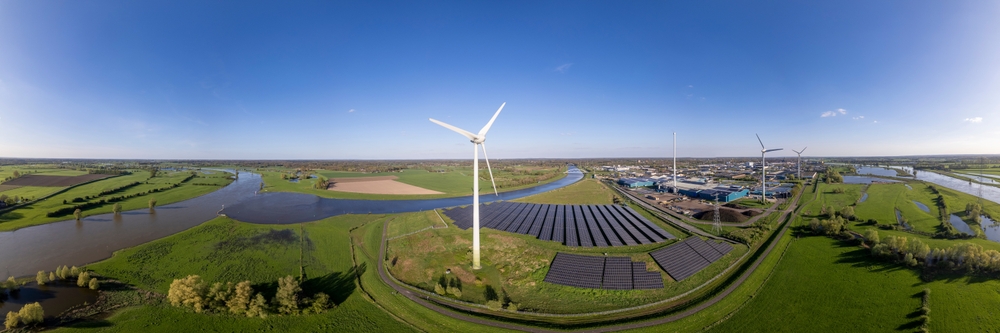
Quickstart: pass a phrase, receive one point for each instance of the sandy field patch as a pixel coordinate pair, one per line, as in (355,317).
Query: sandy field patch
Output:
(376,185)
(54,181)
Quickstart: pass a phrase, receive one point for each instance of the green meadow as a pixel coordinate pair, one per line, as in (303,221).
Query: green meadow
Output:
(35,213)
(453,182)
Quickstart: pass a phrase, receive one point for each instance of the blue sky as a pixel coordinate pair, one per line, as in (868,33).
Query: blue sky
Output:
(321,80)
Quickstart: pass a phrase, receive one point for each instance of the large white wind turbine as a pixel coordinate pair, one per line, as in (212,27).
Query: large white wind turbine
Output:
(798,163)
(477,140)
(763,172)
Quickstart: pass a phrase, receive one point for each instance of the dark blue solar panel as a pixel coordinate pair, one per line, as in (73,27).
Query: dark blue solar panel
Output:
(595,229)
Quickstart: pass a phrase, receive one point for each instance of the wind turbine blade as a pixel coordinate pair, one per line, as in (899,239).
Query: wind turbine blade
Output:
(482,132)
(803,150)
(456,129)
(770,150)
(489,169)
(761,142)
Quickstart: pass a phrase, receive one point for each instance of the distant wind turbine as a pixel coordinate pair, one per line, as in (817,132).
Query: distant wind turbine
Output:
(798,163)
(763,166)
(477,140)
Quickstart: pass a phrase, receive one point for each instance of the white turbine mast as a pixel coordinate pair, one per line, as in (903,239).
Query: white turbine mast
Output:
(798,163)
(763,167)
(477,140)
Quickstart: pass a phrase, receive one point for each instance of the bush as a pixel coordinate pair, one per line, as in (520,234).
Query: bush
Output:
(41,278)
(241,298)
(94,284)
(455,291)
(439,289)
(494,305)
(13,320)
(320,303)
(218,294)
(31,314)
(257,307)
(287,297)
(189,291)
(83,279)
(512,307)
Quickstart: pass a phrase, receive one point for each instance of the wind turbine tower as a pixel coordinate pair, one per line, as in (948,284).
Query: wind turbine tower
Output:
(798,163)
(763,169)
(477,140)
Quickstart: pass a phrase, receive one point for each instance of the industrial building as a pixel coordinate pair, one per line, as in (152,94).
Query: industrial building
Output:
(636,182)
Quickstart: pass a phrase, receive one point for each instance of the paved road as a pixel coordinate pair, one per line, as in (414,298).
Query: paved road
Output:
(424,301)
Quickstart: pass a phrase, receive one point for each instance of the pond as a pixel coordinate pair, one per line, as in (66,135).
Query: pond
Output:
(54,298)
(863,197)
(922,206)
(960,224)
(899,220)
(866,180)
(878,171)
(991,229)
(286,207)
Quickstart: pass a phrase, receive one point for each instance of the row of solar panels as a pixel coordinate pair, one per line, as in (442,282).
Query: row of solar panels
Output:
(686,258)
(572,225)
(617,273)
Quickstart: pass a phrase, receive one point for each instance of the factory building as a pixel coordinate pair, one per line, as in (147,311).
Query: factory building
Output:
(636,182)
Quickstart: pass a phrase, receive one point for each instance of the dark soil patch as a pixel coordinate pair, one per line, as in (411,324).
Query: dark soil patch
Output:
(284,236)
(53,181)
(725,215)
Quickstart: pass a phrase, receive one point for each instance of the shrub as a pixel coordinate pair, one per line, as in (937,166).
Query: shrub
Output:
(257,307)
(41,278)
(494,305)
(320,303)
(83,279)
(31,314)
(439,289)
(241,298)
(871,237)
(512,307)
(287,297)
(218,294)
(13,320)
(189,291)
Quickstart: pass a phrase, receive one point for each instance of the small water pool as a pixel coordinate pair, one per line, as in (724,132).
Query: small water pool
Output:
(54,298)
(922,206)
(863,197)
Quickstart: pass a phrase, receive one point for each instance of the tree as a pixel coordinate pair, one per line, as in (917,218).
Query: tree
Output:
(41,278)
(13,320)
(189,291)
(117,208)
(320,303)
(74,271)
(287,297)
(241,298)
(871,237)
(52,276)
(152,203)
(847,212)
(17,174)
(78,214)
(257,307)
(12,284)
(218,294)
(31,314)
(94,284)
(83,279)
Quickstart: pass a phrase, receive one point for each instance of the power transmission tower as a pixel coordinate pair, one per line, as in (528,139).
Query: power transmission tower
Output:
(716,220)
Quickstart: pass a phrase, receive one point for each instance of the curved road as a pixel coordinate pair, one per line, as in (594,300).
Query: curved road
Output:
(460,316)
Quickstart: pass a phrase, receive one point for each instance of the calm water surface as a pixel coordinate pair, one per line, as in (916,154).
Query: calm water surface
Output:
(54,298)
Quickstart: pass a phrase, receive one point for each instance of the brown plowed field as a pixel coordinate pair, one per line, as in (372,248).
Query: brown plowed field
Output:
(6,187)
(376,185)
(53,181)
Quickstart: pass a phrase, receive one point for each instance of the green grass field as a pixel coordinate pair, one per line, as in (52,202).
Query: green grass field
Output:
(35,214)
(452,183)
(226,250)
(585,192)
(844,290)
(31,191)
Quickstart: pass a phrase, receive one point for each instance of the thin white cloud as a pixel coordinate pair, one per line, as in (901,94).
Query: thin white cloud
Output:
(832,113)
(858,117)
(564,67)
(842,111)
(974,120)
(875,122)
(350,111)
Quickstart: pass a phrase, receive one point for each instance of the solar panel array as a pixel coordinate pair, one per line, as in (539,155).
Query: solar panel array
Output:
(615,273)
(572,225)
(686,258)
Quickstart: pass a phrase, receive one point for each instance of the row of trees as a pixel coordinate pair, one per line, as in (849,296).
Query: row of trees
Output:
(240,299)
(82,276)
(968,257)
(29,315)
(833,177)
(750,235)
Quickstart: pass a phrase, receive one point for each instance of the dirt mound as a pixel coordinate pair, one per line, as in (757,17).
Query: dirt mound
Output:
(725,215)
(752,212)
